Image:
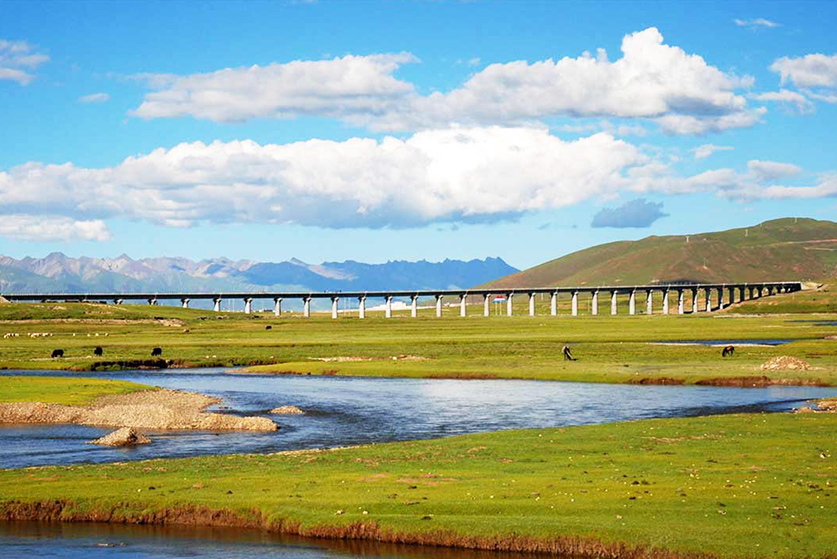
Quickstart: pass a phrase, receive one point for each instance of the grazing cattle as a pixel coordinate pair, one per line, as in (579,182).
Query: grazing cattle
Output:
(568,356)
(728,350)
(57,353)
(268,327)
(98,351)
(157,351)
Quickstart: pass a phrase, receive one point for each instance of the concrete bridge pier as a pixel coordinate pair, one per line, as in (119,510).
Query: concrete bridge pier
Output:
(553,304)
(613,302)
(414,306)
(742,294)
(439,306)
(731,295)
(575,303)
(248,306)
(388,308)
(486,305)
(708,294)
(680,300)
(720,298)
(335,306)
(531,304)
(632,302)
(752,292)
(694,301)
(277,306)
(594,304)
(462,300)
(665,301)
(509,311)
(185,303)
(649,301)
(306,307)
(216,305)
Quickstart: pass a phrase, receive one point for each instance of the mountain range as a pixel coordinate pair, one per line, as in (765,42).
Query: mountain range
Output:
(60,273)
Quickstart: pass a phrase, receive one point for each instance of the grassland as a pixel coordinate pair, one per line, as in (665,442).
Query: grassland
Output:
(61,390)
(726,486)
(790,248)
(616,349)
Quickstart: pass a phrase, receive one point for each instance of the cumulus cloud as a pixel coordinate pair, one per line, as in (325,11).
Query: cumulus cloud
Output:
(94,98)
(336,88)
(652,80)
(793,99)
(51,228)
(18,59)
(635,213)
(704,151)
(457,174)
(811,70)
(756,23)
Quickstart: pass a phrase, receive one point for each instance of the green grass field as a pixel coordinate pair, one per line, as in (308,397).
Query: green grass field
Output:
(609,349)
(729,486)
(61,390)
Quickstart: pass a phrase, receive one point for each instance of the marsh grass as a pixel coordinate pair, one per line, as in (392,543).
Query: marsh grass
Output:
(616,349)
(61,390)
(727,486)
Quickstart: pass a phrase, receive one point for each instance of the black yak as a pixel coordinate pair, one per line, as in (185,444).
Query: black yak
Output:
(728,350)
(157,351)
(98,351)
(57,353)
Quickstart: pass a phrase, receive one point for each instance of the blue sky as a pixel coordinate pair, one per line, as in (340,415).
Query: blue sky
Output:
(407,129)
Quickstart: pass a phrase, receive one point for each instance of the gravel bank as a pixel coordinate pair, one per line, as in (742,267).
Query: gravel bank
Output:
(150,409)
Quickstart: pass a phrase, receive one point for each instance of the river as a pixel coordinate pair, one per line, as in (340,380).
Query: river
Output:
(339,411)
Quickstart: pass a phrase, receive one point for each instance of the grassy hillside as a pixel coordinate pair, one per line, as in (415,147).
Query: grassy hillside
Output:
(782,249)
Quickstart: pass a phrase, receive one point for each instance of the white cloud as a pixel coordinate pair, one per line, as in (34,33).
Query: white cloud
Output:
(758,183)
(772,170)
(51,228)
(756,23)
(338,88)
(812,70)
(651,81)
(17,60)
(437,175)
(704,151)
(94,98)
(798,101)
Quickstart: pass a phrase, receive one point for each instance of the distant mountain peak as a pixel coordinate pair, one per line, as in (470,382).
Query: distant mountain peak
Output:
(57,272)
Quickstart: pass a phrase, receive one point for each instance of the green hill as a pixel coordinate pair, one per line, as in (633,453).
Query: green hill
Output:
(781,249)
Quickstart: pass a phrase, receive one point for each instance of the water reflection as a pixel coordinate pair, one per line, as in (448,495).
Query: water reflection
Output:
(91,541)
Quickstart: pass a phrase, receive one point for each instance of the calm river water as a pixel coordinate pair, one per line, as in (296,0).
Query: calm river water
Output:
(339,411)
(350,410)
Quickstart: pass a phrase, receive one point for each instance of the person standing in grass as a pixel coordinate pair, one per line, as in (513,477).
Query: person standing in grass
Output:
(568,356)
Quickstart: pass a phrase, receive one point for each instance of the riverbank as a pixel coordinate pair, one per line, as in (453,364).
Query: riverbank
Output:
(621,349)
(56,400)
(723,486)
